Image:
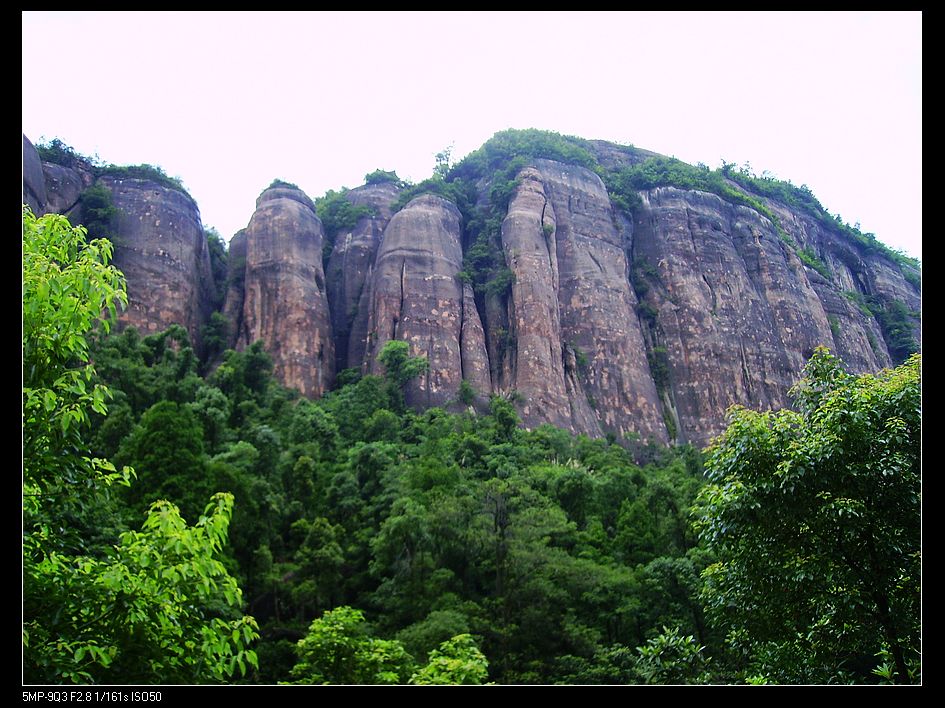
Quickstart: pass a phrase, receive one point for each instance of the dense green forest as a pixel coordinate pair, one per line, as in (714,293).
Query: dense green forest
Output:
(191,521)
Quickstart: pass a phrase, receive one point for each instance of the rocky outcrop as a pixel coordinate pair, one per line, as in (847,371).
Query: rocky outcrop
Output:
(613,156)
(735,312)
(537,348)
(854,270)
(159,241)
(605,322)
(34,184)
(284,302)
(652,324)
(472,346)
(161,247)
(417,297)
(64,187)
(349,272)
(580,359)
(50,187)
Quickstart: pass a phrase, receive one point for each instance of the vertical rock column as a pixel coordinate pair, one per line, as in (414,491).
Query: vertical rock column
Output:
(284,302)
(530,252)
(34,185)
(416,297)
(235,290)
(580,359)
(609,379)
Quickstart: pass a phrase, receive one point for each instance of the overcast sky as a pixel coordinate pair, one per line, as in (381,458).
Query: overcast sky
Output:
(230,101)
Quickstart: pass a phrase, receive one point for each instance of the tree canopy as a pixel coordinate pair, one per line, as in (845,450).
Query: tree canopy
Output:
(101,603)
(472,549)
(814,516)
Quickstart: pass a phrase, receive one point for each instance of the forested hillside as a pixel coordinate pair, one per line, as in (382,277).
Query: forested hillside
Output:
(353,539)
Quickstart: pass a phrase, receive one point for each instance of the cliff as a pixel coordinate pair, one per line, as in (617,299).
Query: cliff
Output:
(603,288)
(159,240)
(161,248)
(417,297)
(34,183)
(282,292)
(350,272)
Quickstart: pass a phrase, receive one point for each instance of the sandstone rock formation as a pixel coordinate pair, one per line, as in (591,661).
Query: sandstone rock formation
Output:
(284,302)
(158,237)
(64,187)
(417,297)
(737,313)
(235,290)
(34,184)
(350,270)
(537,357)
(649,323)
(161,247)
(580,359)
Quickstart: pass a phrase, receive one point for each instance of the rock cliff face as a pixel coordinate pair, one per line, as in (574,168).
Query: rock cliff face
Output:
(236,287)
(161,248)
(416,297)
(48,187)
(159,241)
(606,357)
(350,272)
(736,313)
(854,270)
(283,290)
(536,361)
(578,353)
(34,184)
(64,187)
(650,323)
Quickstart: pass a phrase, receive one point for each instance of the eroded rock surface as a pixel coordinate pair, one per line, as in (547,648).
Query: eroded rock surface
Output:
(350,269)
(580,358)
(34,184)
(737,314)
(161,247)
(284,300)
(416,297)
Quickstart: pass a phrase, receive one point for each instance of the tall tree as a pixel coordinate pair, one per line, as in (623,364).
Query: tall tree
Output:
(149,606)
(815,519)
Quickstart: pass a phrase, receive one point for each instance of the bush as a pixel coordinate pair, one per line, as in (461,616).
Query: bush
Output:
(151,173)
(581,358)
(500,283)
(58,153)
(282,183)
(338,214)
(834,326)
(810,258)
(659,367)
(384,177)
(450,191)
(913,277)
(647,312)
(671,659)
(466,394)
(98,212)
(218,264)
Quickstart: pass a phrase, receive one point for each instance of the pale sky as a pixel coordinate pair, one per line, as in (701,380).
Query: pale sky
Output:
(230,101)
